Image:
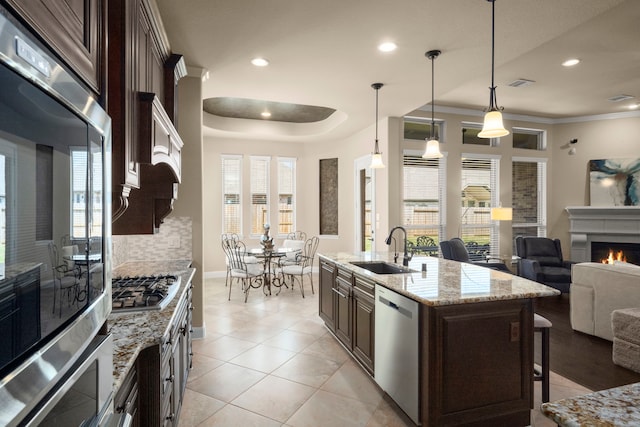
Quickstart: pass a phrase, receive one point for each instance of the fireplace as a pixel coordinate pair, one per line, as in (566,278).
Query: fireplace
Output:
(592,227)
(608,252)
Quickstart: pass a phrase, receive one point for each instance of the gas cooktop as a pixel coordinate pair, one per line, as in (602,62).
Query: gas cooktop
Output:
(143,292)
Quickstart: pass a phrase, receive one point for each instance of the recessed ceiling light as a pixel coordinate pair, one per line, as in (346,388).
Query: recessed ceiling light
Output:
(260,62)
(387,47)
(265,114)
(571,62)
(634,106)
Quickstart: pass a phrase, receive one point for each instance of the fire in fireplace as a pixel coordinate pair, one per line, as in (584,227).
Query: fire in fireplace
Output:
(608,252)
(614,256)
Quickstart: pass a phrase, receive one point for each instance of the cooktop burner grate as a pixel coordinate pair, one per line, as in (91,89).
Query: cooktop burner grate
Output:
(143,292)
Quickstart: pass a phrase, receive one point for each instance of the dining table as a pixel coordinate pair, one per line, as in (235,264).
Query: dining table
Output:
(267,256)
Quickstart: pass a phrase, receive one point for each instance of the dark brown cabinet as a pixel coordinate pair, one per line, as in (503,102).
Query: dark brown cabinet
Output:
(142,80)
(487,345)
(348,310)
(344,308)
(326,294)
(364,321)
(74,29)
(163,370)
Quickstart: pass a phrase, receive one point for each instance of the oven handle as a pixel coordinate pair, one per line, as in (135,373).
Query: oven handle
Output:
(118,420)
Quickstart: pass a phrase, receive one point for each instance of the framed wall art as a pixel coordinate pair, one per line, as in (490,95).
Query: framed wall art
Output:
(615,182)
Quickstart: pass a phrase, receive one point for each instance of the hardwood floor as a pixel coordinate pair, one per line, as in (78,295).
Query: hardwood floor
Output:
(582,358)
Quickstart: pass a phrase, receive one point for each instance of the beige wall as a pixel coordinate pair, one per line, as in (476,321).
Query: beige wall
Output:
(190,191)
(597,139)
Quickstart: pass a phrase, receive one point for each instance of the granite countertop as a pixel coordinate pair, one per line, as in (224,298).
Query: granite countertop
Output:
(134,331)
(445,282)
(618,406)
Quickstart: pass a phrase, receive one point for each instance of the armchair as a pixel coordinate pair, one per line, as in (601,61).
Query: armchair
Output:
(455,249)
(541,261)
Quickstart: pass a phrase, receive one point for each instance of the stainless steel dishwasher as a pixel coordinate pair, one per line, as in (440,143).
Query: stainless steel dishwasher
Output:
(397,349)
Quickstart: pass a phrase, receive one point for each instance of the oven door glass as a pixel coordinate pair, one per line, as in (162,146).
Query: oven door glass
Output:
(51,193)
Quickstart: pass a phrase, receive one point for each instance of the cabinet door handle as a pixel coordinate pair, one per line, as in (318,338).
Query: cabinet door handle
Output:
(339,293)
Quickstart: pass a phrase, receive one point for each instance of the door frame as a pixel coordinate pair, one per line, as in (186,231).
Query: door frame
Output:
(363,163)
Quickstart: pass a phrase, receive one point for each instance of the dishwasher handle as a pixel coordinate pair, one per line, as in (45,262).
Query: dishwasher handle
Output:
(402,310)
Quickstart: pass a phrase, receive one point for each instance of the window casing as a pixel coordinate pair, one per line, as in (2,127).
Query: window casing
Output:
(259,190)
(479,193)
(529,198)
(231,194)
(423,196)
(286,195)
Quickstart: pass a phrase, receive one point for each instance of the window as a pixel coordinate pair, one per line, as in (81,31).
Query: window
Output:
(530,139)
(231,200)
(529,196)
(79,194)
(419,128)
(470,133)
(259,175)
(286,195)
(423,194)
(479,194)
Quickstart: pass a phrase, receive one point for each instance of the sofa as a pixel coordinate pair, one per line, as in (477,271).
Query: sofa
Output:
(599,289)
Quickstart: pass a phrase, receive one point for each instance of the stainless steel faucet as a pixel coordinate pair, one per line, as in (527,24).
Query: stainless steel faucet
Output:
(406,256)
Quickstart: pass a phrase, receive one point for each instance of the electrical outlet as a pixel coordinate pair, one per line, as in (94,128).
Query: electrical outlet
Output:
(173,242)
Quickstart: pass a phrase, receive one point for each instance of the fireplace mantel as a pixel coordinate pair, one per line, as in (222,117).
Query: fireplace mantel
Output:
(601,224)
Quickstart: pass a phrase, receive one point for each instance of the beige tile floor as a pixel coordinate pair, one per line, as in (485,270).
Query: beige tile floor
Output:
(271,362)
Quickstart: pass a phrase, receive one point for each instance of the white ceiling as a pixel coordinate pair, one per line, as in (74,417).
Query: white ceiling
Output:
(324,53)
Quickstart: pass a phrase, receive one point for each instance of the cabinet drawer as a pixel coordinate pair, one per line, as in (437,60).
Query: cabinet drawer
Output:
(364,285)
(346,275)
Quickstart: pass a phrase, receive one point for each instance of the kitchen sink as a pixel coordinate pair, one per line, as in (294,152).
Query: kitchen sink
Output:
(381,267)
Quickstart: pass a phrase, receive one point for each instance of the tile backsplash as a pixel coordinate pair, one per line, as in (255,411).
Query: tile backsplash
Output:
(172,242)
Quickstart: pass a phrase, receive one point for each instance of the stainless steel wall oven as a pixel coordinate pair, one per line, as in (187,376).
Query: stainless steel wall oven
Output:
(55,228)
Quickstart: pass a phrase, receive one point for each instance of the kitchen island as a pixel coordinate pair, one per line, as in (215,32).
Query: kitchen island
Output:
(473,335)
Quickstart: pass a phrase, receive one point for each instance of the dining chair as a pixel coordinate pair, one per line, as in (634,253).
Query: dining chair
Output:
(291,258)
(251,275)
(65,279)
(456,250)
(304,265)
(224,238)
(297,235)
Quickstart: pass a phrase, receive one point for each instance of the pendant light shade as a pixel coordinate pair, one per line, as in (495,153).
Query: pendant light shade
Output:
(492,126)
(432,150)
(376,156)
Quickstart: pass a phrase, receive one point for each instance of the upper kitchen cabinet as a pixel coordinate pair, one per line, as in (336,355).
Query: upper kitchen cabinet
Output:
(142,79)
(74,29)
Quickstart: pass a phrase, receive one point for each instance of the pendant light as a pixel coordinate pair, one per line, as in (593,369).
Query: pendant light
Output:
(376,156)
(432,150)
(493,127)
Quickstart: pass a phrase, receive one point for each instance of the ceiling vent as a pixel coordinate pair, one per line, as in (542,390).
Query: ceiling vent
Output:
(521,83)
(620,98)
